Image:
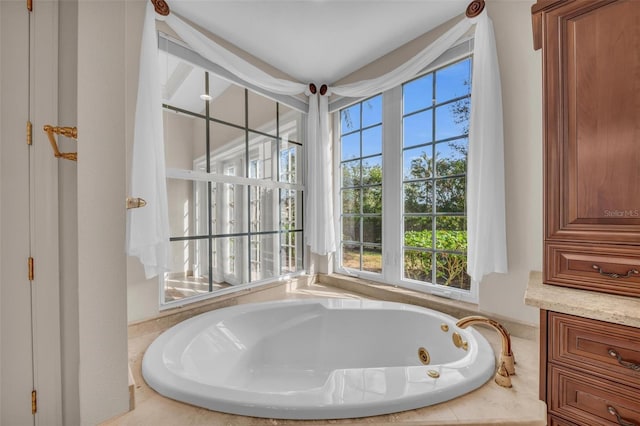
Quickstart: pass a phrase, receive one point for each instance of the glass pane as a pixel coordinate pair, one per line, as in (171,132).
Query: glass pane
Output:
(452,120)
(263,209)
(372,259)
(351,256)
(262,114)
(417,265)
(351,228)
(372,111)
(230,260)
(179,140)
(290,209)
(451,233)
(230,208)
(227,145)
(291,252)
(350,146)
(372,141)
(350,201)
(228,105)
(216,214)
(182,84)
(417,129)
(372,230)
(418,197)
(372,199)
(451,269)
(451,157)
(372,171)
(350,119)
(261,151)
(264,250)
(453,81)
(290,162)
(189,270)
(290,124)
(350,173)
(450,195)
(417,94)
(187,208)
(418,163)
(417,232)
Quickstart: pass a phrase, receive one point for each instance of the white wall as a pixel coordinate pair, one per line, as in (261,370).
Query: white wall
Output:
(521,75)
(102,290)
(68,206)
(179,153)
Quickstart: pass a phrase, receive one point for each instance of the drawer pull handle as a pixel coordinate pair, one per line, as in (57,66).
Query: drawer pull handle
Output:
(627,364)
(613,274)
(621,421)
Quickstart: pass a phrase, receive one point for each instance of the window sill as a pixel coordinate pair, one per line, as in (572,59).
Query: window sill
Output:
(455,308)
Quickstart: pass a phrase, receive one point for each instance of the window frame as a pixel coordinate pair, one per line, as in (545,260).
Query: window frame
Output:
(277,131)
(392,177)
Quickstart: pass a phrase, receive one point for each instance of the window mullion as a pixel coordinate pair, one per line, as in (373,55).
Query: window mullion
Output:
(209,188)
(392,227)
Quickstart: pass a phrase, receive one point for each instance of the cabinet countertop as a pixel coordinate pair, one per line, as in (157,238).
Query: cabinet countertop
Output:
(589,304)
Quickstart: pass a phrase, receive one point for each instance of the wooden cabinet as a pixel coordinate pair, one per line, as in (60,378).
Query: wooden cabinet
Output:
(591,98)
(590,371)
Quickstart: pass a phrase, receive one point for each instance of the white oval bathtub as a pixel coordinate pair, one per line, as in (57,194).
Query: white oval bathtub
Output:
(316,359)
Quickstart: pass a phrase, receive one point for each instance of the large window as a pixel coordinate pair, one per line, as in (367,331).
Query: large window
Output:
(234,161)
(422,178)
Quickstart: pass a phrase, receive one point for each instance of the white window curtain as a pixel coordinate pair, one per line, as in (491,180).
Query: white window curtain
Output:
(148,227)
(486,227)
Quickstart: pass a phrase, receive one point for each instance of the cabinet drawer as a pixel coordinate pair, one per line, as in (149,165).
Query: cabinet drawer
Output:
(596,346)
(555,421)
(611,269)
(588,400)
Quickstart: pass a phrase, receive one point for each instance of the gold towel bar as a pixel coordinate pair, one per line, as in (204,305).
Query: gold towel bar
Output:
(70,132)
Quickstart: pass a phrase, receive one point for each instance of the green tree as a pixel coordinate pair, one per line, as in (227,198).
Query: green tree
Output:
(449,193)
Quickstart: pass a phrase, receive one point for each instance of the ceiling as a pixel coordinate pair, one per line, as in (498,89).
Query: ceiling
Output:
(318,40)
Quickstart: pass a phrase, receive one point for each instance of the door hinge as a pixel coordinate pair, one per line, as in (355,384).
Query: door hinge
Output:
(34,402)
(29,133)
(30,5)
(30,263)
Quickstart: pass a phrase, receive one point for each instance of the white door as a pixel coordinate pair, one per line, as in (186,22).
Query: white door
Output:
(29,303)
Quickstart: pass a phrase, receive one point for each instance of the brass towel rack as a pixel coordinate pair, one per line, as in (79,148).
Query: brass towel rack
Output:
(70,132)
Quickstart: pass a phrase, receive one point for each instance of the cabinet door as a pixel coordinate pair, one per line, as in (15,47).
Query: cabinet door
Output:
(588,400)
(592,114)
(596,348)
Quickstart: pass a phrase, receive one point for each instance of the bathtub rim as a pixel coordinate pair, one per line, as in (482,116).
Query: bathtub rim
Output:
(194,393)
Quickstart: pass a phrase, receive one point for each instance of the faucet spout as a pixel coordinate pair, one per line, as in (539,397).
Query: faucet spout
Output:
(506,363)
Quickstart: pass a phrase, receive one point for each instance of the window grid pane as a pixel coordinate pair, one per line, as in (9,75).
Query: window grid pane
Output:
(361,186)
(226,233)
(435,128)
